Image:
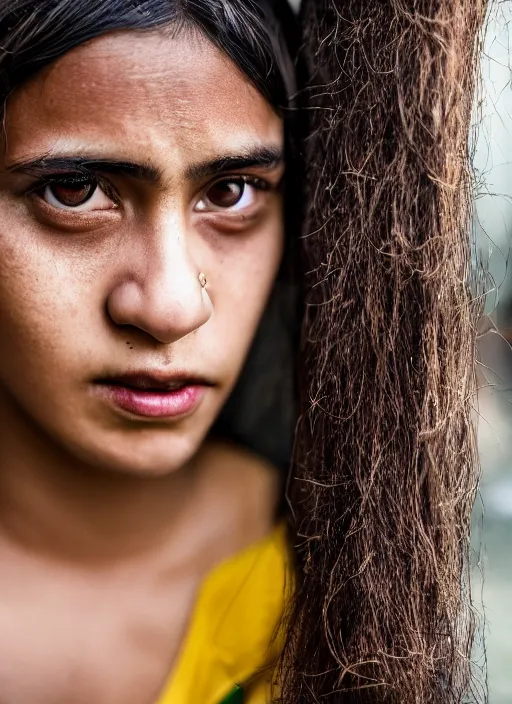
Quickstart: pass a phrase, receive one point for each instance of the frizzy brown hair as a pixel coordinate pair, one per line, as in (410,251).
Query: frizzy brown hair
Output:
(385,468)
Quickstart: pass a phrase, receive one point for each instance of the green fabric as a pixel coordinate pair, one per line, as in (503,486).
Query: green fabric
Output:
(235,697)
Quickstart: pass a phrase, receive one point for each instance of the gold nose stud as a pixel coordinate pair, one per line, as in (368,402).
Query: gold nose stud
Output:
(202,280)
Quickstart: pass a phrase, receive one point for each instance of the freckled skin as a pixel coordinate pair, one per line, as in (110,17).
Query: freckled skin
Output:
(136,101)
(108,523)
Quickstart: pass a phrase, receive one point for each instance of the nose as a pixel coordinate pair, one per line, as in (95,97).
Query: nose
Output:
(161,292)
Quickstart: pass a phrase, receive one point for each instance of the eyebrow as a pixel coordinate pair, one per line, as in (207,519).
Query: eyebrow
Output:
(64,164)
(267,157)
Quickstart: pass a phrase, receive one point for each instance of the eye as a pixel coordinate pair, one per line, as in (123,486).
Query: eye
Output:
(76,195)
(233,194)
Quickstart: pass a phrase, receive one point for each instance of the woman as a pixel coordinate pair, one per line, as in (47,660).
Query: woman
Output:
(142,250)
(142,233)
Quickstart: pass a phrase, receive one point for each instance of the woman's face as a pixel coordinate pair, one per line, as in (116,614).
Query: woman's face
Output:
(131,166)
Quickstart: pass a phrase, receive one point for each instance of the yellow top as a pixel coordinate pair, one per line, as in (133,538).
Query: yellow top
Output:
(233,628)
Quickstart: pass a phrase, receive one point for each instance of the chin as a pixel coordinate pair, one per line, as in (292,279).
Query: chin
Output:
(147,454)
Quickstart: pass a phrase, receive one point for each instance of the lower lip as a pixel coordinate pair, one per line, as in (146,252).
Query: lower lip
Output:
(156,404)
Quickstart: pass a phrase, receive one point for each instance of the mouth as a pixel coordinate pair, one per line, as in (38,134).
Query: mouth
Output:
(154,395)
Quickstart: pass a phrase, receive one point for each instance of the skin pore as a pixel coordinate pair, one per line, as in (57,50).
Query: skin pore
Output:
(110,521)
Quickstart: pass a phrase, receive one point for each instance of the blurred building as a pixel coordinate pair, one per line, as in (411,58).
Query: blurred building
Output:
(493,228)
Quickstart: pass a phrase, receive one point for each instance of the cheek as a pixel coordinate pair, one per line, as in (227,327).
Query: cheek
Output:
(39,304)
(246,275)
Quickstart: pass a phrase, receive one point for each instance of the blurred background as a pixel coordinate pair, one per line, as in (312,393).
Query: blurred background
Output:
(492,535)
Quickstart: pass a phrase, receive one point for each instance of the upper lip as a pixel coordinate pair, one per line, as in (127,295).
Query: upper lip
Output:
(155,380)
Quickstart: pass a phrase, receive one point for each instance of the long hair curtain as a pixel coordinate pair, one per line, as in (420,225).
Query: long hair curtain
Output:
(385,468)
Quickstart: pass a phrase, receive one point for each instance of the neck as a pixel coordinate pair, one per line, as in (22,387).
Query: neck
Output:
(52,503)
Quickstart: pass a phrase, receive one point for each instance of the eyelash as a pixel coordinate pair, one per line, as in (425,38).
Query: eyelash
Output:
(109,190)
(75,178)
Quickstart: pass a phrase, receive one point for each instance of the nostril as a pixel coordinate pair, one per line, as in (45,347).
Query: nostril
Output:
(166,303)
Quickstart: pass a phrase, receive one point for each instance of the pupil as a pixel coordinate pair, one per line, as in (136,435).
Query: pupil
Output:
(73,194)
(226,194)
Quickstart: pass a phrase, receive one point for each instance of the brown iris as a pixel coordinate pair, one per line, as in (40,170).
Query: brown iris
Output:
(226,194)
(72,194)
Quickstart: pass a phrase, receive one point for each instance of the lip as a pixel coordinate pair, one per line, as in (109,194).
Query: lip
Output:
(154,395)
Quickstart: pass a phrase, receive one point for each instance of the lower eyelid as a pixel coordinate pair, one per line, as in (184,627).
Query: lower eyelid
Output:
(70,220)
(246,216)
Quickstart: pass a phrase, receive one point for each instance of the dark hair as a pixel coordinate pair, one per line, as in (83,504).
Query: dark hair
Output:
(261,38)
(385,471)
(35,33)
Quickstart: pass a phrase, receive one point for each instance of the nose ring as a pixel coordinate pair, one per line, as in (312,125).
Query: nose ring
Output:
(202,280)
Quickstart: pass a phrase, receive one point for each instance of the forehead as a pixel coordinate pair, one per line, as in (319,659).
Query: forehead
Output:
(140,94)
